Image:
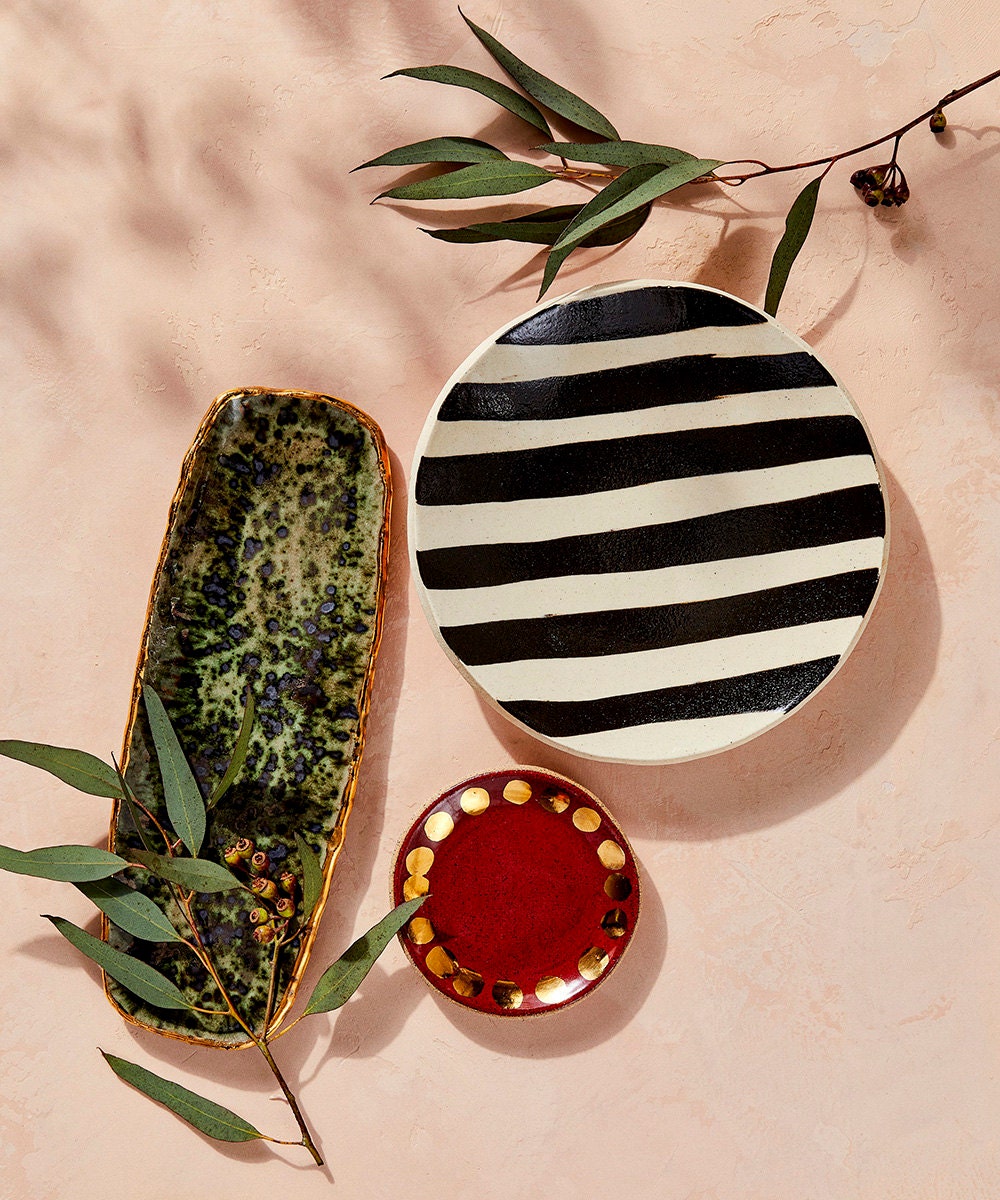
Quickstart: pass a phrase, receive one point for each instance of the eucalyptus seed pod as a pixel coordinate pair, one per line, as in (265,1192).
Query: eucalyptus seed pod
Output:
(267,889)
(260,863)
(244,848)
(289,882)
(231,856)
(258,916)
(264,934)
(285,908)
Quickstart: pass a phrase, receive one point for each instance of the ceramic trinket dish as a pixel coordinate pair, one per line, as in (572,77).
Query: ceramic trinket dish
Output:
(532,892)
(646,522)
(271,576)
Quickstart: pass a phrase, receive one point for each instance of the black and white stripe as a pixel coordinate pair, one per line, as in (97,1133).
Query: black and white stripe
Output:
(646,521)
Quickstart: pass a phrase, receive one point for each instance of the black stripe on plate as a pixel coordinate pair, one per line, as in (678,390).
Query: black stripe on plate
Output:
(632,630)
(584,468)
(776,690)
(638,313)
(691,379)
(842,516)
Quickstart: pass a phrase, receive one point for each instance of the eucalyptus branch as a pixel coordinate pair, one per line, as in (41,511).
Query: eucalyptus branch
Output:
(286,902)
(631,176)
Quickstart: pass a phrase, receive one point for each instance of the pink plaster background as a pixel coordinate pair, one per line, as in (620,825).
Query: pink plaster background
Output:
(811,1005)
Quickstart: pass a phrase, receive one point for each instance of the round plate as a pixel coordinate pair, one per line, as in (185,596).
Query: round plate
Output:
(646,521)
(532,892)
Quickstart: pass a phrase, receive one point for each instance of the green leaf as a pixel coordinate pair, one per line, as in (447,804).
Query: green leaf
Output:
(66,864)
(797,224)
(539,87)
(75,767)
(205,1115)
(617,153)
(499,93)
(543,228)
(133,808)
(130,910)
(437,150)
(185,807)
(195,874)
(636,187)
(339,982)
(481,179)
(312,875)
(140,978)
(239,753)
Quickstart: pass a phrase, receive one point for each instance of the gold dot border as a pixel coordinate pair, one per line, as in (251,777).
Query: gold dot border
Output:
(507,994)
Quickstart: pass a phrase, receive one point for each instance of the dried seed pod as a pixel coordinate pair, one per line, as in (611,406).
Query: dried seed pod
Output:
(938,122)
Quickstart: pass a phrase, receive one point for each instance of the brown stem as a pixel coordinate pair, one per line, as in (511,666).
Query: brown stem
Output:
(289,1095)
(765,169)
(261,1041)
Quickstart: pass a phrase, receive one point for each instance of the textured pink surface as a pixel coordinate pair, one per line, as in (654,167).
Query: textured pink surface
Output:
(809,1006)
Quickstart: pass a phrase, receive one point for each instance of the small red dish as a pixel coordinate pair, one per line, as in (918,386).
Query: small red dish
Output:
(532,892)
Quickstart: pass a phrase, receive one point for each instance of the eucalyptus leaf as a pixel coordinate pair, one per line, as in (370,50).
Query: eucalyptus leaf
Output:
(133,808)
(543,228)
(141,979)
(75,767)
(437,150)
(619,188)
(185,806)
(797,225)
(480,179)
(312,875)
(617,153)
(637,187)
(130,910)
(205,1115)
(195,874)
(65,864)
(239,753)
(499,93)
(541,88)
(339,982)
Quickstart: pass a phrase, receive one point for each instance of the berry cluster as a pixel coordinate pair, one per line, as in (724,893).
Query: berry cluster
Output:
(277,897)
(885,184)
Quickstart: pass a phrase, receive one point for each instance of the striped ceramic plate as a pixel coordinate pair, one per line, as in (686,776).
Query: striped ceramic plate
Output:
(646,521)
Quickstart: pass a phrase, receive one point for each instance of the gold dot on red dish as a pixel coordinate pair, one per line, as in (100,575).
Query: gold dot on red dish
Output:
(553,800)
(438,825)
(414,886)
(593,962)
(617,887)
(474,801)
(551,989)
(611,855)
(467,983)
(441,962)
(518,791)
(421,931)
(420,860)
(507,994)
(586,820)
(615,923)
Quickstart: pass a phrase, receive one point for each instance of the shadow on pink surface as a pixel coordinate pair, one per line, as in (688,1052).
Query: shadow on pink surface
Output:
(838,734)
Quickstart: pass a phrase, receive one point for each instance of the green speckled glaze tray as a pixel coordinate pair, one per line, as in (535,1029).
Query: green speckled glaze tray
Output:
(271,575)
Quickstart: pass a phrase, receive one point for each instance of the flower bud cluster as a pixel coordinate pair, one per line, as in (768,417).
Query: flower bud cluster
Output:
(277,897)
(885,184)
